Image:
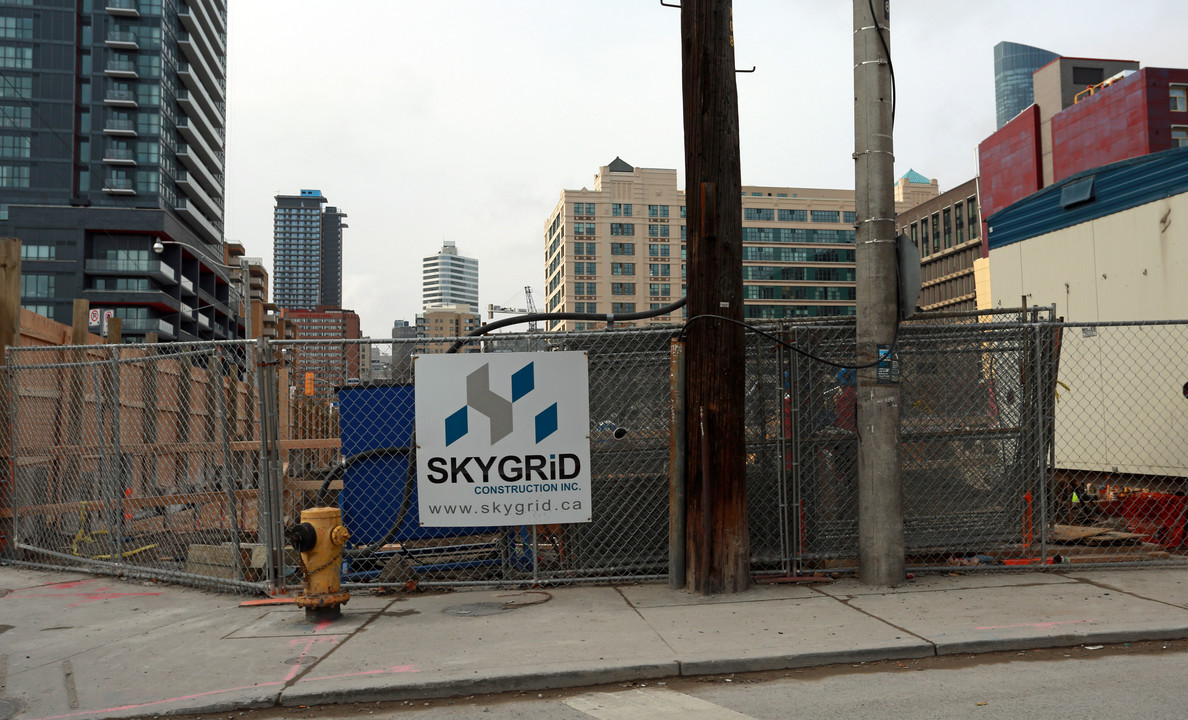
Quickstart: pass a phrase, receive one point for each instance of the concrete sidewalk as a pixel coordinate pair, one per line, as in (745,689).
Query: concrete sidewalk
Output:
(82,646)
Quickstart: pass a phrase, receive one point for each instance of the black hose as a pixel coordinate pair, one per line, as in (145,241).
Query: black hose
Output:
(609,318)
(410,477)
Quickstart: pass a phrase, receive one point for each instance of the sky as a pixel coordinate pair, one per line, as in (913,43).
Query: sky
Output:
(463,120)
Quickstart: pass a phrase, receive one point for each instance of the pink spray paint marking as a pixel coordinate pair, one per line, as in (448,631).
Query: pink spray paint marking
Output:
(100,594)
(125,708)
(1034,625)
(295,668)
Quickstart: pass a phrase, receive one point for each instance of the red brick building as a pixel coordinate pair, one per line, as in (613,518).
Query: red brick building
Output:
(320,368)
(1087,113)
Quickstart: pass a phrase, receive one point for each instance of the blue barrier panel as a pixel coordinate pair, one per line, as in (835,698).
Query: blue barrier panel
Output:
(377,423)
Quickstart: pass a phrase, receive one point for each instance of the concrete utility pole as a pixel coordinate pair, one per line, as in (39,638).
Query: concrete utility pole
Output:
(880,488)
(717,542)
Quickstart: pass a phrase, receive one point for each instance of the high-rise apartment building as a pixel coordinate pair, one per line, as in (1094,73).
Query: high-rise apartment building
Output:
(620,247)
(1014,64)
(111,141)
(332,226)
(448,278)
(307,251)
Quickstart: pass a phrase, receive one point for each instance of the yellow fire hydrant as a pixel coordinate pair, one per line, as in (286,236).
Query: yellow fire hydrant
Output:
(319,538)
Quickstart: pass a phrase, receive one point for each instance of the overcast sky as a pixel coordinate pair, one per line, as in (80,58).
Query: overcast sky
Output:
(463,120)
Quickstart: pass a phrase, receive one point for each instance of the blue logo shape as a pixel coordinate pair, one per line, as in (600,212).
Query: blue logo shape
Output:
(456,426)
(546,422)
(523,381)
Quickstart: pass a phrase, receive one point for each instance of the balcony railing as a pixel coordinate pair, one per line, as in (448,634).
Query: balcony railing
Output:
(124,39)
(122,68)
(128,8)
(120,97)
(121,126)
(155,267)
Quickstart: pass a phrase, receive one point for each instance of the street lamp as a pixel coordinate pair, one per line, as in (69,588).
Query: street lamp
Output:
(242,267)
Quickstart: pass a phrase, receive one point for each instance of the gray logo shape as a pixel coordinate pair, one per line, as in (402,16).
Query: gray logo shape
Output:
(497,408)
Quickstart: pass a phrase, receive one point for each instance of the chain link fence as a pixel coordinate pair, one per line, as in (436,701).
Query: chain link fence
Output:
(139,460)
(1024,443)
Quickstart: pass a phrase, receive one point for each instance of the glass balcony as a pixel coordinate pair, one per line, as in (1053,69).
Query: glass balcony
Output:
(123,39)
(151,267)
(123,8)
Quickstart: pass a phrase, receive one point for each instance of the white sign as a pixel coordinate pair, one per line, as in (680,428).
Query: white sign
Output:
(502,439)
(94,316)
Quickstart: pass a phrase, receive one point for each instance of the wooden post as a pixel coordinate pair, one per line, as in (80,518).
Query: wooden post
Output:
(76,382)
(718,546)
(10,334)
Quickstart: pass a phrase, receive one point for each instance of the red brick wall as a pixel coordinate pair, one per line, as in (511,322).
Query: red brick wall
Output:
(1106,127)
(1128,119)
(1160,118)
(1009,166)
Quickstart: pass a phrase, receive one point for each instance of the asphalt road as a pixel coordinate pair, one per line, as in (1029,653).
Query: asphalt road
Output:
(1141,680)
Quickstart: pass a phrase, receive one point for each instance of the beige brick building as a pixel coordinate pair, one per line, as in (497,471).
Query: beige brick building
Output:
(620,248)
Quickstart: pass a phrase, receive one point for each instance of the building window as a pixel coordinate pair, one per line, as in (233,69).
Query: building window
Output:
(621,209)
(682,211)
(793,215)
(659,269)
(14,146)
(936,232)
(622,248)
(620,268)
(1179,135)
(621,288)
(20,58)
(16,87)
(15,117)
(584,249)
(37,252)
(658,211)
(622,229)
(849,216)
(959,221)
(36,285)
(621,308)
(1086,76)
(971,214)
(657,231)
(13,176)
(825,216)
(684,232)
(12,28)
(948,214)
(659,289)
(758,214)
(658,250)
(1179,98)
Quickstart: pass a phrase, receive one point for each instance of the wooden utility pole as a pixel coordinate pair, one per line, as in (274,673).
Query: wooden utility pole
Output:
(880,489)
(717,542)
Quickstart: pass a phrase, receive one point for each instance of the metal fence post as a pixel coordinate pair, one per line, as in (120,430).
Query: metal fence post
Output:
(228,476)
(269,469)
(115,458)
(11,383)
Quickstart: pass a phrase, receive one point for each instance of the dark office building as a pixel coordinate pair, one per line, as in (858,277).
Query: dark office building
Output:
(1013,66)
(332,225)
(111,161)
